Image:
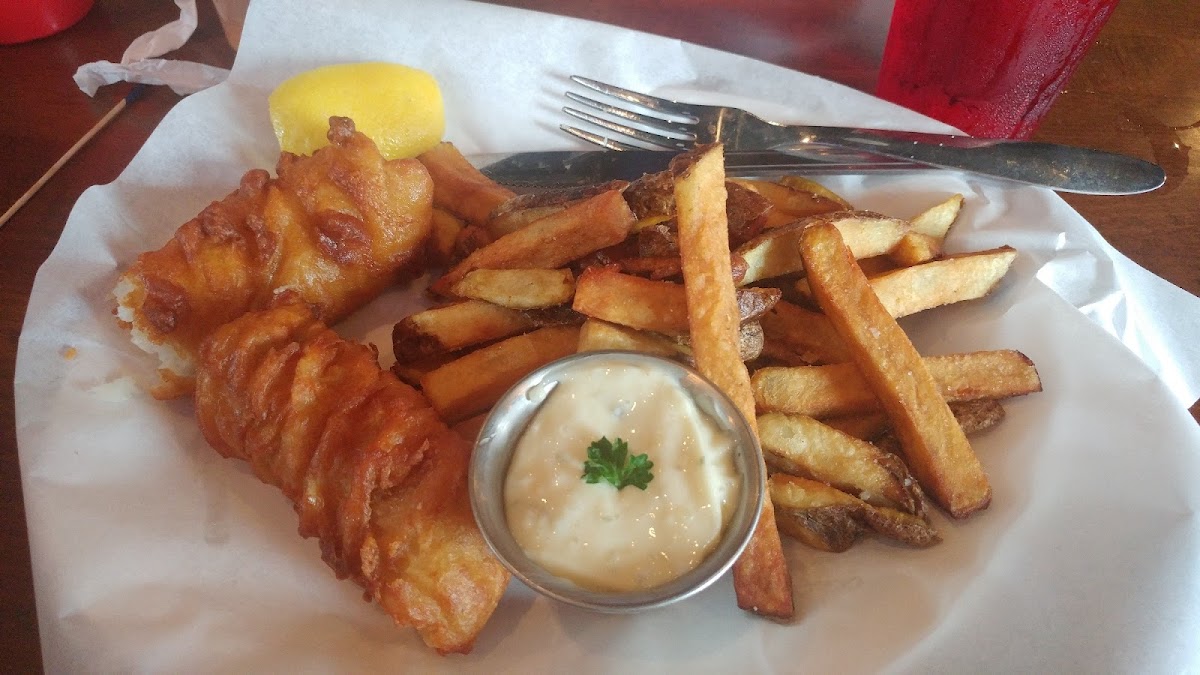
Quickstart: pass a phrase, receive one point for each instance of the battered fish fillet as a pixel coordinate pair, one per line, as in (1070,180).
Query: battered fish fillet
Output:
(337,227)
(370,468)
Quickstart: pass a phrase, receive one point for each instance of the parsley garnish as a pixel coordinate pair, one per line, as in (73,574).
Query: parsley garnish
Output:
(612,462)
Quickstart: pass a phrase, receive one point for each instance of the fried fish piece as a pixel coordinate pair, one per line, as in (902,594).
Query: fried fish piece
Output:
(371,470)
(337,227)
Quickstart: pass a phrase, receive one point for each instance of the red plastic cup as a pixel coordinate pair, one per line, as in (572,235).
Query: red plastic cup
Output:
(25,20)
(989,67)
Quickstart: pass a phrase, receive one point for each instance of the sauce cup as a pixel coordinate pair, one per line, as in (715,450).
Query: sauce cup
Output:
(504,427)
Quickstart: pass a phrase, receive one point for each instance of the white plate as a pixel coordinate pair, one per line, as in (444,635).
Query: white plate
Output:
(152,553)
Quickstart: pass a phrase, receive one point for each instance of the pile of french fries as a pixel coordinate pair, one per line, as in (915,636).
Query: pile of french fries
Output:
(780,292)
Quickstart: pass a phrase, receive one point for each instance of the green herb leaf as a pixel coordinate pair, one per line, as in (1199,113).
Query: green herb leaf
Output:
(612,462)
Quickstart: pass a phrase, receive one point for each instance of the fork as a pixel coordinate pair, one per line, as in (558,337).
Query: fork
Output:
(681,126)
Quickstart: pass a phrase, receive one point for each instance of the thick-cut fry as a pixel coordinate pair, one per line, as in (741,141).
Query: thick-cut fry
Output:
(750,342)
(807,185)
(761,577)
(810,337)
(978,415)
(840,388)
(462,324)
(473,383)
(553,241)
(644,304)
(805,334)
(469,428)
(647,304)
(521,210)
(518,289)
(909,290)
(935,446)
(863,426)
(773,253)
(411,372)
(929,228)
(459,187)
(795,202)
(913,248)
(831,520)
(597,335)
(936,220)
(443,237)
(973,416)
(802,446)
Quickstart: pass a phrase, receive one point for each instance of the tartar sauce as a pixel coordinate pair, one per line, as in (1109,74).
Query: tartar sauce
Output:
(595,535)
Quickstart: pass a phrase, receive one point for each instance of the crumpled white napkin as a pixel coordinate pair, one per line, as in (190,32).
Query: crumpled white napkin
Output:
(139,63)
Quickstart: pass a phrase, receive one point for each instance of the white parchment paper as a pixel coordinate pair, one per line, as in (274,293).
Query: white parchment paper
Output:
(151,553)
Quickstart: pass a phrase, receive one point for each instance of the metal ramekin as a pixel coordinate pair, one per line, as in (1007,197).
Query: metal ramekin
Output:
(503,428)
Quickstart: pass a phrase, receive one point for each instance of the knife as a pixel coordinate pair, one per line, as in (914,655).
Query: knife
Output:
(576,168)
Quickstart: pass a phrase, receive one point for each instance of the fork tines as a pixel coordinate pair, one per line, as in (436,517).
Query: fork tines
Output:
(665,124)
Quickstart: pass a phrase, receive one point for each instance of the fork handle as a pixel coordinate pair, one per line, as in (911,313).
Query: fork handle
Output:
(1060,167)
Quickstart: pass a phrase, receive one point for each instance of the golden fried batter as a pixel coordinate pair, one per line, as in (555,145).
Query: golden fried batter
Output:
(370,468)
(336,227)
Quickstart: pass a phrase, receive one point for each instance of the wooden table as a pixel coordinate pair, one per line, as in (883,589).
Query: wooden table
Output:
(1137,92)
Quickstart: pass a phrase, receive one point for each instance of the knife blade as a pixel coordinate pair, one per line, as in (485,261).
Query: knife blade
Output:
(574,168)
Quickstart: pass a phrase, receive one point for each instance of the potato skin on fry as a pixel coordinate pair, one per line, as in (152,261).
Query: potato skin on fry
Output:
(802,446)
(584,227)
(454,326)
(761,577)
(840,389)
(831,520)
(934,444)
(472,383)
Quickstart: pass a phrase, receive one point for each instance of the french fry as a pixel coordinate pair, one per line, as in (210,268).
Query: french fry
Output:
(454,326)
(773,253)
(828,519)
(508,220)
(914,248)
(517,288)
(644,304)
(750,342)
(443,236)
(801,446)
(460,188)
(978,415)
(936,220)
(470,427)
(929,228)
(973,416)
(596,335)
(655,305)
(522,210)
(469,239)
(909,290)
(761,577)
(935,446)
(807,185)
(797,203)
(806,335)
(473,383)
(837,389)
(411,371)
(863,426)
(553,241)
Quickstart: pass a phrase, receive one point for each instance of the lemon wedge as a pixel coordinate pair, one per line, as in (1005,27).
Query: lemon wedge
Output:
(398,107)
